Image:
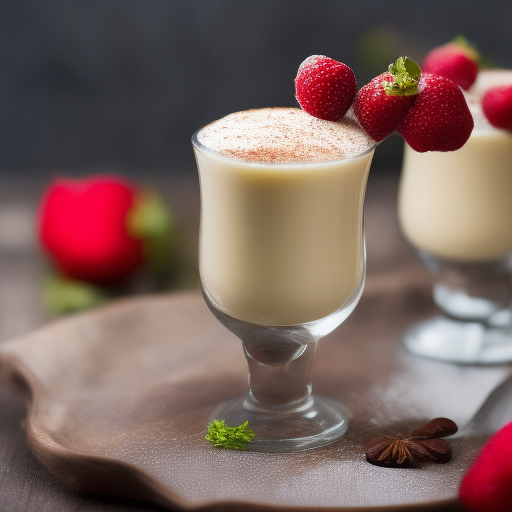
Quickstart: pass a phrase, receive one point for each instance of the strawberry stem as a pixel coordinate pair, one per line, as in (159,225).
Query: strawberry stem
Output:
(406,74)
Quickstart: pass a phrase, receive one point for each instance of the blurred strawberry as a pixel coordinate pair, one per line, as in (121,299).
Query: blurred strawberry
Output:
(487,486)
(83,228)
(99,230)
(458,61)
(497,106)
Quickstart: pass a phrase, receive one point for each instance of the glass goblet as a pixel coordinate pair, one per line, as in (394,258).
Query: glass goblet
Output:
(282,264)
(455,208)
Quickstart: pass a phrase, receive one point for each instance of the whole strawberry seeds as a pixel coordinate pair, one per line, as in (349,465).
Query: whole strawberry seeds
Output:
(325,88)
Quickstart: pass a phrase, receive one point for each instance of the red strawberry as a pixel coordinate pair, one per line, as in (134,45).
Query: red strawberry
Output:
(488,484)
(382,104)
(379,113)
(497,106)
(82,226)
(456,61)
(325,88)
(439,119)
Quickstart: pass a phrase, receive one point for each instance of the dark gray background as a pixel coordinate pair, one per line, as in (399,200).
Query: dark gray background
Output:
(120,85)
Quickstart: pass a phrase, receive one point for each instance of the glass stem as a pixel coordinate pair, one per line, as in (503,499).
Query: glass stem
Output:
(279,369)
(471,291)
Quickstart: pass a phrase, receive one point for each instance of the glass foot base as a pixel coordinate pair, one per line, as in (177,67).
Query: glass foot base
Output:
(316,422)
(451,340)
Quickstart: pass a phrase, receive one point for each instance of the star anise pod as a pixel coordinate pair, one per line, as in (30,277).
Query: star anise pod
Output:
(423,445)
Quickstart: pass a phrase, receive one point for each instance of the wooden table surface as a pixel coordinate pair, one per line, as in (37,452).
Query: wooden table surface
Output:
(25,484)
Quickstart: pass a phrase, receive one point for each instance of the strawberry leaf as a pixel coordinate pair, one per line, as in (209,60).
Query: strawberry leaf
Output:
(406,74)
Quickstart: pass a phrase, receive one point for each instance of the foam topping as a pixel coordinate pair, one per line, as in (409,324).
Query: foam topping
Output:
(284,136)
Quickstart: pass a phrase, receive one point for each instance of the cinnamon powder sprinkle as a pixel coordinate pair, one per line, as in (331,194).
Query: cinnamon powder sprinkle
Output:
(284,136)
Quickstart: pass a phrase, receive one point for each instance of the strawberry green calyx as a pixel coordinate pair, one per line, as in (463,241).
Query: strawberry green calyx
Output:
(151,221)
(468,48)
(406,74)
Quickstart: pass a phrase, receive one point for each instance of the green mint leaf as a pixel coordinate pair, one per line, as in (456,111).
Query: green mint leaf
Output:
(406,74)
(232,438)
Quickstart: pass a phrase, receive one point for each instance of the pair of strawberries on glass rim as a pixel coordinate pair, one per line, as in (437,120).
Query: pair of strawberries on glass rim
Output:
(425,105)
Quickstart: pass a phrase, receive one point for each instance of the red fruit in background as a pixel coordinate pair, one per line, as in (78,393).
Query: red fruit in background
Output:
(488,484)
(439,119)
(497,106)
(83,228)
(325,88)
(455,61)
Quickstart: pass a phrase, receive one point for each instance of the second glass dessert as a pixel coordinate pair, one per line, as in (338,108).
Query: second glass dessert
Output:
(282,258)
(456,210)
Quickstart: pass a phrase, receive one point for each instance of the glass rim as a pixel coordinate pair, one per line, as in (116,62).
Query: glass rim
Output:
(201,147)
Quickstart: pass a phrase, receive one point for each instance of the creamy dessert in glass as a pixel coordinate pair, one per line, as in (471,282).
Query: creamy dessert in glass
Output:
(455,208)
(282,258)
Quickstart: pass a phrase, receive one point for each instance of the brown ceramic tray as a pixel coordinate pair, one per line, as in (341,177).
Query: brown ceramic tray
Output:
(118,401)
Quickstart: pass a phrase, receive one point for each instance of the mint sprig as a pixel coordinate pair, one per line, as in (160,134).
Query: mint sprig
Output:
(406,74)
(232,438)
